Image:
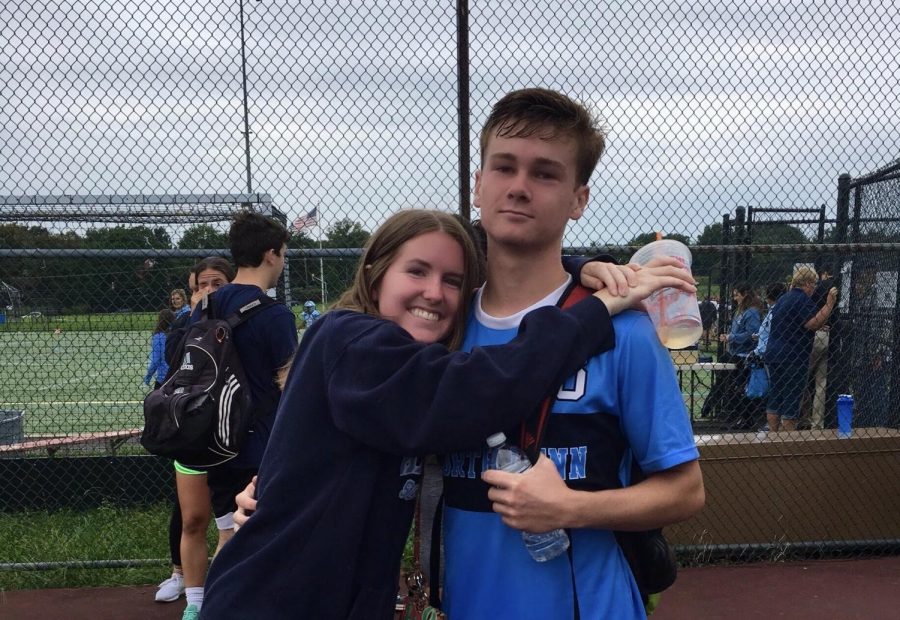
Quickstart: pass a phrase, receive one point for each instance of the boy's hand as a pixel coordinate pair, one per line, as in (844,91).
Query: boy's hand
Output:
(532,501)
(246,503)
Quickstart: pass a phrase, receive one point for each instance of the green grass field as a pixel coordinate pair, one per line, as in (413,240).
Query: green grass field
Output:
(76,381)
(91,380)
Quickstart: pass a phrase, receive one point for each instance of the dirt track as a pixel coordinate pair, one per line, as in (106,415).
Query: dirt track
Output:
(832,589)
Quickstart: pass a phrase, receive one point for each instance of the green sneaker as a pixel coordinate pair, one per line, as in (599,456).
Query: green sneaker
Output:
(191,613)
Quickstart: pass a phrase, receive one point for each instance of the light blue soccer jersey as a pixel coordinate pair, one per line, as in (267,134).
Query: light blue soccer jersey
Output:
(633,387)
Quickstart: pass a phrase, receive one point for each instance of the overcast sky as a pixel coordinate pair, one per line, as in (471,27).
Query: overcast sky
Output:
(352,105)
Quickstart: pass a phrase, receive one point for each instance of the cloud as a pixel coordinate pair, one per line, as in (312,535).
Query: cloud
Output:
(352,105)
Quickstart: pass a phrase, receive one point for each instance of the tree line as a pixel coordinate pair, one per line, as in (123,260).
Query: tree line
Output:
(110,284)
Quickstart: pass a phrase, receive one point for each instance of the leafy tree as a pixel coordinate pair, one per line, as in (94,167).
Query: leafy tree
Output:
(44,282)
(708,263)
(203,236)
(645,238)
(766,267)
(140,283)
(346,233)
(128,237)
(300,241)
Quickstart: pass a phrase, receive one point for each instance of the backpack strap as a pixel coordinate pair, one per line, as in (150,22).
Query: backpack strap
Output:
(532,430)
(249,309)
(207,307)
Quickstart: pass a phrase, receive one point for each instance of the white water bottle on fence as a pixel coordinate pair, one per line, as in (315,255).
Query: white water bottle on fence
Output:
(541,547)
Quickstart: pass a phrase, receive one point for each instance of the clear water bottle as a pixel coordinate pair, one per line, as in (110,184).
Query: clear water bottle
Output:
(541,547)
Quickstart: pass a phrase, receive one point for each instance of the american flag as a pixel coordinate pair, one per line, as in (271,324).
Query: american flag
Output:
(306,221)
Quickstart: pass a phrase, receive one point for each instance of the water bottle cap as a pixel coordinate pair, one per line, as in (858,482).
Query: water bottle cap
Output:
(496,439)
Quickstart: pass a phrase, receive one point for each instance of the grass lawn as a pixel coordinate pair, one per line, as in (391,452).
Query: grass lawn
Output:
(105,533)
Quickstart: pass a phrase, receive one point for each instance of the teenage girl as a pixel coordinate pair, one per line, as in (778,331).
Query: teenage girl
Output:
(374,386)
(156,364)
(196,491)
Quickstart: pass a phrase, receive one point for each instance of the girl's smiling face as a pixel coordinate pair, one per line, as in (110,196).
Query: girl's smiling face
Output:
(421,290)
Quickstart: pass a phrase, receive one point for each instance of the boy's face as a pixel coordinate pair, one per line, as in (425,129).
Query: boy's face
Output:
(527,191)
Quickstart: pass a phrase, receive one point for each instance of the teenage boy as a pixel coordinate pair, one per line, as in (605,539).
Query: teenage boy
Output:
(264,343)
(538,150)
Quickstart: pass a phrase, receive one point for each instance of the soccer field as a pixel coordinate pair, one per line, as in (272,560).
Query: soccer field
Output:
(75,381)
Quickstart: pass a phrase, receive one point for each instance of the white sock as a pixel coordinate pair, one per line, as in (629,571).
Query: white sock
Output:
(177,575)
(225,522)
(194,597)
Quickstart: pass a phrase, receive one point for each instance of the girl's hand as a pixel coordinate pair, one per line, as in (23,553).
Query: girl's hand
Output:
(616,278)
(657,274)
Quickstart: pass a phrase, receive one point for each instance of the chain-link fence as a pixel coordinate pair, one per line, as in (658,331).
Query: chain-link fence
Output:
(131,132)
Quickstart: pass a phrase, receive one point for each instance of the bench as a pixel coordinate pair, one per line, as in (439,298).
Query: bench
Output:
(112,440)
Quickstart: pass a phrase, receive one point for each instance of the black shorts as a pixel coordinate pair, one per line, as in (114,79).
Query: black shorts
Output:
(224,483)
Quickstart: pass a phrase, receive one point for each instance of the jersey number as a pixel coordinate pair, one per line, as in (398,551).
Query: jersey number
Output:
(573,388)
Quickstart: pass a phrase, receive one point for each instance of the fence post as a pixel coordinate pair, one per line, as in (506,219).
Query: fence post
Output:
(462,70)
(840,342)
(724,278)
(740,230)
(821,235)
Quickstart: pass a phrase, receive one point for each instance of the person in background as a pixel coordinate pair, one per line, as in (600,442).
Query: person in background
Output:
(773,294)
(707,318)
(813,402)
(745,322)
(309,314)
(728,395)
(795,320)
(264,343)
(179,302)
(206,276)
(157,365)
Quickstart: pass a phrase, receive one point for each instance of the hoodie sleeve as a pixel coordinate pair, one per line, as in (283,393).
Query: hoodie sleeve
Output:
(405,397)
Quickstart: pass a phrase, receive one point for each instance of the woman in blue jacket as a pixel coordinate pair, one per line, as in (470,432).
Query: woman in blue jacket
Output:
(727,396)
(157,363)
(746,321)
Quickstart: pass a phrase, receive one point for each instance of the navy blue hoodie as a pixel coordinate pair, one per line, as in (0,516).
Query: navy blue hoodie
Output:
(338,481)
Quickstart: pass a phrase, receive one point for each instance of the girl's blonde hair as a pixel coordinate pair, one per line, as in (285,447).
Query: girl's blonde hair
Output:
(803,276)
(382,249)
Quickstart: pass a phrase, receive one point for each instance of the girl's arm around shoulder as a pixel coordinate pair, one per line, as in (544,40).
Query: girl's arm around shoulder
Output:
(405,397)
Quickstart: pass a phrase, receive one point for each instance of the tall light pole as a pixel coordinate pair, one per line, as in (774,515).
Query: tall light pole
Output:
(246,111)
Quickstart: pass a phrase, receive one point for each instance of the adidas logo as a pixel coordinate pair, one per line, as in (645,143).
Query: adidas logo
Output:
(186,362)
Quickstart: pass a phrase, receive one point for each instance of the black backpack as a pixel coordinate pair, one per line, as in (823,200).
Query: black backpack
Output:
(202,413)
